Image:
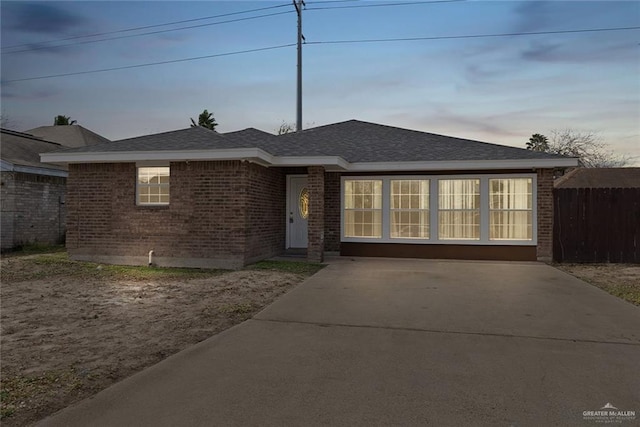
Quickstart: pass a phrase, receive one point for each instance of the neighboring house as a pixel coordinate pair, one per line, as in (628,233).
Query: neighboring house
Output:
(204,199)
(68,135)
(32,192)
(597,216)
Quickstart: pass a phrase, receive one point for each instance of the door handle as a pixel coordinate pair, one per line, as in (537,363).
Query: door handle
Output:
(291,220)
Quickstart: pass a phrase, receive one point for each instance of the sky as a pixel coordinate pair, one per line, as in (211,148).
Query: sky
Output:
(499,89)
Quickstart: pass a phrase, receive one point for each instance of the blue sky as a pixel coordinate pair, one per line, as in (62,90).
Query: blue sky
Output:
(496,89)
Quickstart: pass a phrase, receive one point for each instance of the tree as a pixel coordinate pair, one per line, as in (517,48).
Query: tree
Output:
(206,120)
(63,121)
(285,128)
(538,142)
(588,147)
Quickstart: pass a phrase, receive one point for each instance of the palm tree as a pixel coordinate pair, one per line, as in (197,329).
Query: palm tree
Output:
(538,142)
(63,121)
(206,120)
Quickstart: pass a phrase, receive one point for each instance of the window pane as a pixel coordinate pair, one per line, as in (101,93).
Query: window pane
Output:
(511,209)
(463,225)
(410,224)
(511,225)
(459,193)
(153,185)
(363,194)
(409,205)
(359,223)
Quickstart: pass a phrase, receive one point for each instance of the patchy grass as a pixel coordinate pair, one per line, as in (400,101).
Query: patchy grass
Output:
(70,329)
(30,267)
(621,280)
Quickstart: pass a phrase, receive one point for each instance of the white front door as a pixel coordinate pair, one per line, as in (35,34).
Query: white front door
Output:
(297,212)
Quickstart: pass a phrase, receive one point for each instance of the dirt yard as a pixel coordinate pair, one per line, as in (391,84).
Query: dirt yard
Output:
(621,280)
(70,329)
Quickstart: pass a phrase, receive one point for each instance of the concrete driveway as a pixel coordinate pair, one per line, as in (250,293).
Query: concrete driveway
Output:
(399,342)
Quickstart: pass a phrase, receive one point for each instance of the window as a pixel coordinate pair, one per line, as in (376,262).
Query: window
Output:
(410,208)
(459,209)
(484,209)
(153,186)
(510,209)
(363,208)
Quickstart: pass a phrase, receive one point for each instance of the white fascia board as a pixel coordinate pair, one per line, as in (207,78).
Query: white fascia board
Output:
(6,166)
(463,165)
(251,154)
(336,163)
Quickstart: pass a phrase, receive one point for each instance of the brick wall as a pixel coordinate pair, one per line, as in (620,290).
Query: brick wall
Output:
(207,223)
(332,211)
(33,209)
(545,215)
(315,250)
(266,228)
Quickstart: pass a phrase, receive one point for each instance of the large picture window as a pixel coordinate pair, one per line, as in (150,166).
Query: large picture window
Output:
(410,208)
(459,209)
(153,186)
(511,209)
(483,209)
(363,208)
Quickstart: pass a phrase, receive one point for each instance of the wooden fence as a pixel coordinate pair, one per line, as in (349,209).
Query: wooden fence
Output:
(596,225)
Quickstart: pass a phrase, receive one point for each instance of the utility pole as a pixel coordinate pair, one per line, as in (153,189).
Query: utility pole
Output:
(298,5)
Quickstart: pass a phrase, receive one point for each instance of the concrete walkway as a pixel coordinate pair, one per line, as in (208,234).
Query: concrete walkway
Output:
(398,342)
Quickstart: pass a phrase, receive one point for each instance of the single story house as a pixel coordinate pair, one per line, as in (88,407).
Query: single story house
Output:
(32,192)
(203,199)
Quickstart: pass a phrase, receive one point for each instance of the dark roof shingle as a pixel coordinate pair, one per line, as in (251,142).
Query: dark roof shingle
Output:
(353,140)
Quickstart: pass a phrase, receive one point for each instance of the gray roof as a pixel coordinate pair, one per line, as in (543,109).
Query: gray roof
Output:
(68,135)
(23,149)
(353,140)
(600,178)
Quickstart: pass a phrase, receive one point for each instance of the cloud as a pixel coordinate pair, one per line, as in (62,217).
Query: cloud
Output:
(40,18)
(587,51)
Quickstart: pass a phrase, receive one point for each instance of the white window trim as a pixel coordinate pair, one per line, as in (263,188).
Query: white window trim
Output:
(434,209)
(152,164)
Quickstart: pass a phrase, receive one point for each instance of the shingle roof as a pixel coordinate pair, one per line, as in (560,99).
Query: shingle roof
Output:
(353,140)
(23,149)
(68,135)
(600,178)
(358,141)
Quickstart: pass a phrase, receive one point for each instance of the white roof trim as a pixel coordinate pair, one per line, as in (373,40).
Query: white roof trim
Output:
(334,163)
(254,154)
(6,166)
(463,165)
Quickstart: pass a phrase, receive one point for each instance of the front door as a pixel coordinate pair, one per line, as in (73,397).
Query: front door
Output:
(298,212)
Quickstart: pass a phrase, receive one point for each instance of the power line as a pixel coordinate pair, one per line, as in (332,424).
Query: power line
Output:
(327,42)
(146,27)
(472,36)
(148,33)
(149,64)
(408,3)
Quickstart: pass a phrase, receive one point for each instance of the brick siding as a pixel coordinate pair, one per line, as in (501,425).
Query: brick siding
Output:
(208,223)
(545,215)
(332,211)
(33,209)
(315,250)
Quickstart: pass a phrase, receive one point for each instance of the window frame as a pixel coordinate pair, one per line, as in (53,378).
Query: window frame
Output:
(372,210)
(137,184)
(418,210)
(434,209)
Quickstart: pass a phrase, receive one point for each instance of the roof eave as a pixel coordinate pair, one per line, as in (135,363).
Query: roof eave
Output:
(443,165)
(331,163)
